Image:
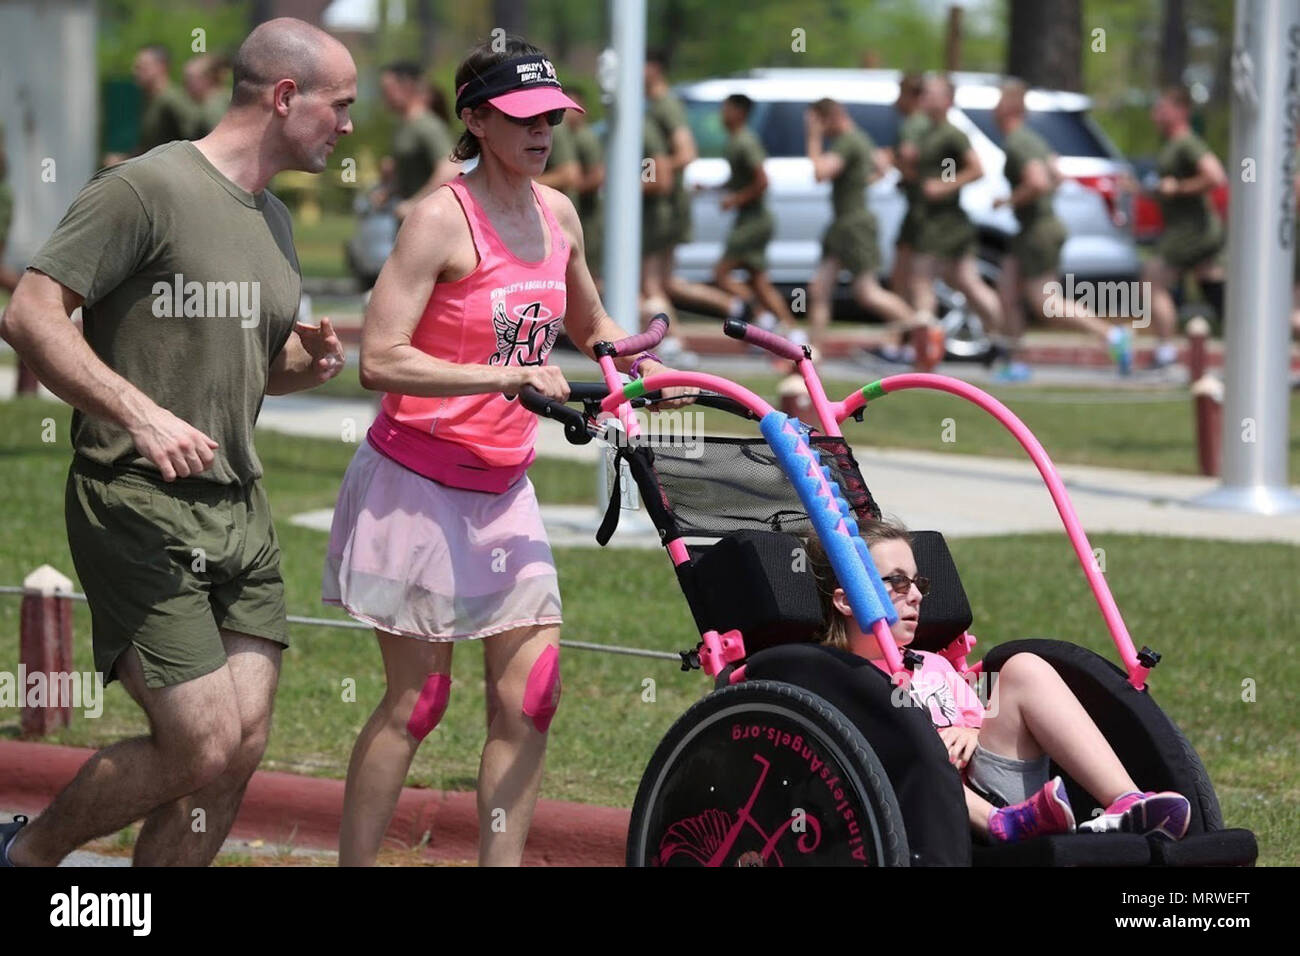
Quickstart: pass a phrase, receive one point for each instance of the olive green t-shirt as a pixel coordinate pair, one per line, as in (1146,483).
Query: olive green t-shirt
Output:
(670,115)
(1023,145)
(745,154)
(419,145)
(563,151)
(1186,215)
(169,115)
(655,208)
(590,154)
(191,288)
(942,142)
(207,115)
(912,130)
(848,191)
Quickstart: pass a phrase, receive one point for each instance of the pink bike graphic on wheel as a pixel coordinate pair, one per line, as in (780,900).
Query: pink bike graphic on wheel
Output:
(708,837)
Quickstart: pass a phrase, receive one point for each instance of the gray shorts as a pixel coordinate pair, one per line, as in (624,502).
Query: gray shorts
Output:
(1003,781)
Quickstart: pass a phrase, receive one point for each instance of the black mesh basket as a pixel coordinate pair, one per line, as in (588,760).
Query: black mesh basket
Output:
(720,485)
(734,492)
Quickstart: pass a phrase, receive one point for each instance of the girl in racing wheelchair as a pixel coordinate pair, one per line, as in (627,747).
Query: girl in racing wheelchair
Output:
(1033,718)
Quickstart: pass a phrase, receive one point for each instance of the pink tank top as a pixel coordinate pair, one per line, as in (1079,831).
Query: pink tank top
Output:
(505,312)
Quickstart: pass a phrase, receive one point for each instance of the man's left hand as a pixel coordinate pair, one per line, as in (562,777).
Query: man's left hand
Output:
(324,347)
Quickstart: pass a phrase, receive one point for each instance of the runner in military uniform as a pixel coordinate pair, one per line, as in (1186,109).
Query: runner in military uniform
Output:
(1031,267)
(185,266)
(168,113)
(421,142)
(946,245)
(668,113)
(591,157)
(1193,234)
(850,243)
(751,231)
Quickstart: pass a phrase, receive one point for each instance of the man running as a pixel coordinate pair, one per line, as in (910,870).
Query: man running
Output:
(186,270)
(168,114)
(946,162)
(851,162)
(751,231)
(1031,266)
(421,143)
(1193,235)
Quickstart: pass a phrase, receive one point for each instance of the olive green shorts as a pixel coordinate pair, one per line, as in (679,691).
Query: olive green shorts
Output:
(1037,249)
(852,241)
(1187,249)
(909,232)
(166,566)
(655,226)
(747,241)
(679,218)
(947,233)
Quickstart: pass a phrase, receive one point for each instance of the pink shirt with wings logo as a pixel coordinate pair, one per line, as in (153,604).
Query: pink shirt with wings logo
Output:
(507,312)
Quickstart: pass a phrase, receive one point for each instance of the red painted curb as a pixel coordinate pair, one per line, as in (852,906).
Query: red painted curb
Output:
(307,811)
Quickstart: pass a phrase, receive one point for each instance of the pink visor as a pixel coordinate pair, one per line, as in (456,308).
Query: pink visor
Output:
(533,100)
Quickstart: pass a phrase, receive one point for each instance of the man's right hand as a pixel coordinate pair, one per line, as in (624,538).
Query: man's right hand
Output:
(176,447)
(547,379)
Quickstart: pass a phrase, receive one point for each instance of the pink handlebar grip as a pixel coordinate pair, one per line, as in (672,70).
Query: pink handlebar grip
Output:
(740,329)
(652,336)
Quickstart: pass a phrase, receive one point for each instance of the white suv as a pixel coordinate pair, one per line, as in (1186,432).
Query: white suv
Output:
(1099,244)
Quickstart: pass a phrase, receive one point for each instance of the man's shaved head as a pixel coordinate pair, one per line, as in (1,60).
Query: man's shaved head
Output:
(280,49)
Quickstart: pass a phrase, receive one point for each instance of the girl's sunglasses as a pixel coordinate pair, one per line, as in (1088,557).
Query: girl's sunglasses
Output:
(900,583)
(553,118)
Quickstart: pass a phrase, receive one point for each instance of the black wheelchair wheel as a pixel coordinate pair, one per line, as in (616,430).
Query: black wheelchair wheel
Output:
(765,774)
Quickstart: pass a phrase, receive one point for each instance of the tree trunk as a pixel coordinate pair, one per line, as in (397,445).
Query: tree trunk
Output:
(1045,44)
(1173,44)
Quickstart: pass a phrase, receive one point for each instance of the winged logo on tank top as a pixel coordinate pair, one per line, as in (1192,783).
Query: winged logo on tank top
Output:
(527,338)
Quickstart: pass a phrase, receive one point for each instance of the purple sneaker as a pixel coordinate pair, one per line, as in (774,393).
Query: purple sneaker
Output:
(1046,813)
(1165,815)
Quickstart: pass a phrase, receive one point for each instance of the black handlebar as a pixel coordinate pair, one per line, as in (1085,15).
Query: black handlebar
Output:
(574,422)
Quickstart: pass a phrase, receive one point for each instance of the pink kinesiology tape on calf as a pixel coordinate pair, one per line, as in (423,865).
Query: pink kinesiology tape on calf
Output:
(430,706)
(542,692)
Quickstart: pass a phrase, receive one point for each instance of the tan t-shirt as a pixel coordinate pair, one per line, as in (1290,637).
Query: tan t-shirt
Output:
(191,288)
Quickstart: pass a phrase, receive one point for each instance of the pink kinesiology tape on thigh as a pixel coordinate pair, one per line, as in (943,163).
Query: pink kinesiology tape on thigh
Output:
(542,692)
(430,705)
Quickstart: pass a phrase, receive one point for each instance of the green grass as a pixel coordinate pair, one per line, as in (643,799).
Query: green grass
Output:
(1220,614)
(320,244)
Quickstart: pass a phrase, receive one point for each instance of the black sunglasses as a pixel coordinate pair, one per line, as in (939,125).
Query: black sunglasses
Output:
(553,117)
(900,583)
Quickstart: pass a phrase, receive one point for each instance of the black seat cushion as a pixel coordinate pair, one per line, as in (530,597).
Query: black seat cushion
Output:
(756,582)
(945,611)
(1216,848)
(927,786)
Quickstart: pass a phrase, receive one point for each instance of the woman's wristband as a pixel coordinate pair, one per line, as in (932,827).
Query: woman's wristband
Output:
(635,370)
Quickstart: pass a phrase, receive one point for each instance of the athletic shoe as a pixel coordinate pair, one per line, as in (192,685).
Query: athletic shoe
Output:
(1121,348)
(1046,813)
(1013,372)
(1165,815)
(7,833)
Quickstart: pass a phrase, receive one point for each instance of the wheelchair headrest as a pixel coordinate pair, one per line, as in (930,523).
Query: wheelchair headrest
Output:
(945,611)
